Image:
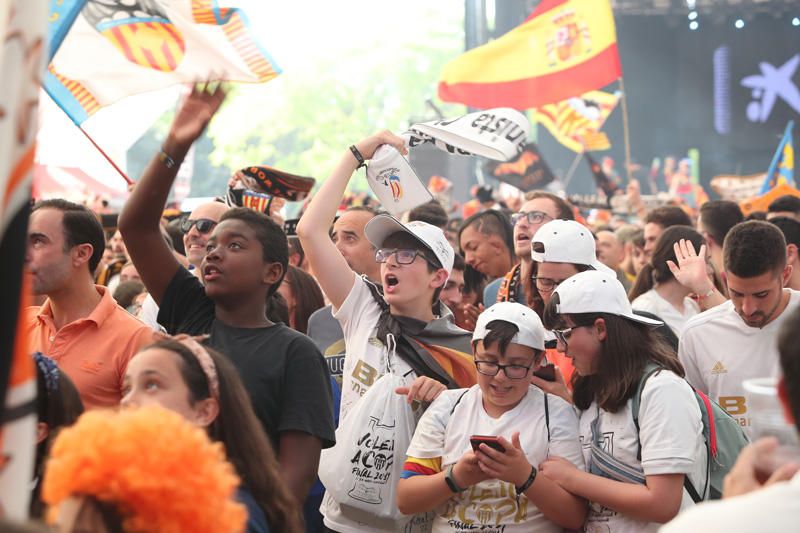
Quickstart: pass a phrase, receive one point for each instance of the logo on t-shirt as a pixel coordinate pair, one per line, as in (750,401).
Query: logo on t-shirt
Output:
(719,368)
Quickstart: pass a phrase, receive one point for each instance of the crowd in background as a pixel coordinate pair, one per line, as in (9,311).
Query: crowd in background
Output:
(522,322)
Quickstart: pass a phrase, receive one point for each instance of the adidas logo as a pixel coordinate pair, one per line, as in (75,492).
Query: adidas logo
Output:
(719,368)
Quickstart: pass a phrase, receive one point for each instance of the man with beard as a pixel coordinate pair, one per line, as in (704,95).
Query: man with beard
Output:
(736,340)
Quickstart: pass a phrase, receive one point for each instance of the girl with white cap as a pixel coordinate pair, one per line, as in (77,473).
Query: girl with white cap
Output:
(637,469)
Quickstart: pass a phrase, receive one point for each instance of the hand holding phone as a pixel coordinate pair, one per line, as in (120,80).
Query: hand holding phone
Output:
(546,372)
(489,440)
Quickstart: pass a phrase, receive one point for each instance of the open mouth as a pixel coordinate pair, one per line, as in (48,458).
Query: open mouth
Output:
(390,281)
(523,238)
(211,272)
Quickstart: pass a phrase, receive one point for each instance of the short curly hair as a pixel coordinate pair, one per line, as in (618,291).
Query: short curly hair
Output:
(160,472)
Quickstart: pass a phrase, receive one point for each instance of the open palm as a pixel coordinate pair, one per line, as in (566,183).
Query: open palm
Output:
(692,269)
(196,112)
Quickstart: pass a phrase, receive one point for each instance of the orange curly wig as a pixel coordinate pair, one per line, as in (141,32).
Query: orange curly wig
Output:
(162,473)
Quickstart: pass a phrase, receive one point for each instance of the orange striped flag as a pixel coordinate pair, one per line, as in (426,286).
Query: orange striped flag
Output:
(22,57)
(564,49)
(115,49)
(576,122)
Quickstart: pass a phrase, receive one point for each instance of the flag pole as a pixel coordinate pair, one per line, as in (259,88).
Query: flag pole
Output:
(572,168)
(108,158)
(626,129)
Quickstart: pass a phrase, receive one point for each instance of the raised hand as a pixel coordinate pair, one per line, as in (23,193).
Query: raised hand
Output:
(195,113)
(368,146)
(692,269)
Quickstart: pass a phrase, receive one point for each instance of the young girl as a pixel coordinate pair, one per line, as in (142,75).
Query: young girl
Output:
(58,405)
(636,475)
(658,291)
(204,387)
(471,485)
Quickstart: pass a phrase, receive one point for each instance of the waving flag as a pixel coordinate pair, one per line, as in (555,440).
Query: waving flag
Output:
(781,169)
(576,122)
(564,49)
(21,61)
(116,49)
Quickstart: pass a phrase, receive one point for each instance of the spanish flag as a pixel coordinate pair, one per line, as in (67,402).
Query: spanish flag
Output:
(564,49)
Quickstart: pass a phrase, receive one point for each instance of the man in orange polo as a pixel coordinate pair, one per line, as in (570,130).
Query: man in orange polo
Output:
(80,325)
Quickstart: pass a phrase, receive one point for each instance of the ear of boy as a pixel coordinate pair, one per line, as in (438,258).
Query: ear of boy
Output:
(272,273)
(439,279)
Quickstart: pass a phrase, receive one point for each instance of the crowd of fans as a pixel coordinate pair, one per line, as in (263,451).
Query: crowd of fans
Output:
(191,381)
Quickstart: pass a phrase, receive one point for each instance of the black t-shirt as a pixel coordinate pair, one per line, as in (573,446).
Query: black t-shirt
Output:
(282,370)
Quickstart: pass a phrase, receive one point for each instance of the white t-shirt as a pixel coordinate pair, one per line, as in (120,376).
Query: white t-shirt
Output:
(719,351)
(653,302)
(671,436)
(364,362)
(491,505)
(775,508)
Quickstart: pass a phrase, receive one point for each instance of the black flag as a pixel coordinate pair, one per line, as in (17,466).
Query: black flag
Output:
(526,172)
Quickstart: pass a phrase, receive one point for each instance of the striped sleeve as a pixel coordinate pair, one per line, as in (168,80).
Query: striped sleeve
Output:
(424,467)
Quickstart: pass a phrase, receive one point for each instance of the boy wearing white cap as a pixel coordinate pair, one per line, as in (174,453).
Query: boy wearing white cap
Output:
(416,260)
(636,473)
(492,483)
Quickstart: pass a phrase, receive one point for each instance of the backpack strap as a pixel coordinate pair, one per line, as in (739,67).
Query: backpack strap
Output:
(547,416)
(453,410)
(636,402)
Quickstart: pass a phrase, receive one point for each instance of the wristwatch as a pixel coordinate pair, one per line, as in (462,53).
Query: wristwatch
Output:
(528,482)
(451,481)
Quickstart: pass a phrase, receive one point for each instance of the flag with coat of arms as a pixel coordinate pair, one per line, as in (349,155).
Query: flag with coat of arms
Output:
(104,51)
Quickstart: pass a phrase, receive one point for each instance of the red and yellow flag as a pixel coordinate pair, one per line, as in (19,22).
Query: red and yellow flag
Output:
(564,49)
(576,122)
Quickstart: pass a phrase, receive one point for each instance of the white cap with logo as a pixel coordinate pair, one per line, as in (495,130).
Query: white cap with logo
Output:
(531,331)
(566,241)
(382,226)
(596,292)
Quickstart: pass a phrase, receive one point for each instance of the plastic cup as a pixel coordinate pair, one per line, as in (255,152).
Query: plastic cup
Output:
(767,420)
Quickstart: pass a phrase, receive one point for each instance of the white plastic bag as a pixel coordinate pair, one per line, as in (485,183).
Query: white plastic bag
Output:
(361,472)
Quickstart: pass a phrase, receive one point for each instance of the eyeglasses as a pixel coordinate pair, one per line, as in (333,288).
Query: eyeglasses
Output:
(545,284)
(563,335)
(488,368)
(402,256)
(204,225)
(533,217)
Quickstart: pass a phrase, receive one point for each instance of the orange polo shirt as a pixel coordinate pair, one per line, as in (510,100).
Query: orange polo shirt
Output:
(93,351)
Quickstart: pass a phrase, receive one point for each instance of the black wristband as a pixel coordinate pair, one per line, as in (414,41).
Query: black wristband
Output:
(450,480)
(528,482)
(358,156)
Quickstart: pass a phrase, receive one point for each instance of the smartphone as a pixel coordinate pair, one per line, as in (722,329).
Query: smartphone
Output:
(546,372)
(490,441)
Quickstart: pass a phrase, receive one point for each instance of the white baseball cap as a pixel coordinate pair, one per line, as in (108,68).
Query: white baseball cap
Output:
(593,291)
(531,331)
(382,226)
(566,241)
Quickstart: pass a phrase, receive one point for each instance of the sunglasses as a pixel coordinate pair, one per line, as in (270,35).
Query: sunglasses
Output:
(402,256)
(533,217)
(204,225)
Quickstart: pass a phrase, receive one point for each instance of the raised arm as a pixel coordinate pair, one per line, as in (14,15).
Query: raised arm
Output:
(139,220)
(332,272)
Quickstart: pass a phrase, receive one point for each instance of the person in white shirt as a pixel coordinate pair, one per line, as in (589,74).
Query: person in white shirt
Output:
(416,260)
(635,479)
(658,291)
(735,341)
(471,485)
(750,503)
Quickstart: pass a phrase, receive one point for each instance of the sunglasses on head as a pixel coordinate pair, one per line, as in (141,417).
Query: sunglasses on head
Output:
(204,225)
